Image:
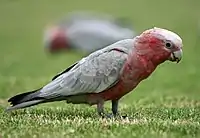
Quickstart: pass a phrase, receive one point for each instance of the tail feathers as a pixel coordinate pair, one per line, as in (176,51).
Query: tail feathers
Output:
(24,97)
(30,99)
(24,105)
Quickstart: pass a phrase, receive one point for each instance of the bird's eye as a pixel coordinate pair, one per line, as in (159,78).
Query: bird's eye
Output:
(168,45)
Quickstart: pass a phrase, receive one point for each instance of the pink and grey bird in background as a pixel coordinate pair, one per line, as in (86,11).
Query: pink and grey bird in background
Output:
(109,73)
(86,32)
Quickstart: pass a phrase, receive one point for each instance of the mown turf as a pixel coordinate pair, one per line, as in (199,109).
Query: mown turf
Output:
(165,105)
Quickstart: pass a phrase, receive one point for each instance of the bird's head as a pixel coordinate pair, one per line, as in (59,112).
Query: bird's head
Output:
(55,39)
(160,45)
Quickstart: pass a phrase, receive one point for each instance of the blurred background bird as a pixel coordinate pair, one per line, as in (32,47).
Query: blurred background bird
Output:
(86,32)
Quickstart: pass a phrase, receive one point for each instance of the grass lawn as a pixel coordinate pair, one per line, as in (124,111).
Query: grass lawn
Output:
(165,105)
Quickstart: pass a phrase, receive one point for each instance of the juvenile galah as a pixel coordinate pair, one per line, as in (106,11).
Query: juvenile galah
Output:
(85,32)
(109,73)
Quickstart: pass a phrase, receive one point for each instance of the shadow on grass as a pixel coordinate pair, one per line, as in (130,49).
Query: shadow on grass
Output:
(161,113)
(59,113)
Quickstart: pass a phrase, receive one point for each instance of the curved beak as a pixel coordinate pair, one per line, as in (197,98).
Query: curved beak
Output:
(176,56)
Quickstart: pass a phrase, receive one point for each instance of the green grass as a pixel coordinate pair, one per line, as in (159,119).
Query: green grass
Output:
(165,105)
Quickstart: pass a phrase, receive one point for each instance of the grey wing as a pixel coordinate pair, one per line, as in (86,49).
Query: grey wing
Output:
(91,75)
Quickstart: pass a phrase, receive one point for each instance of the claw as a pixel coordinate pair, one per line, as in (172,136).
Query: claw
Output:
(113,116)
(108,116)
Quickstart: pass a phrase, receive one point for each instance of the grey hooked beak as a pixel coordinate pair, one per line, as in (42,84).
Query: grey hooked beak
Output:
(176,56)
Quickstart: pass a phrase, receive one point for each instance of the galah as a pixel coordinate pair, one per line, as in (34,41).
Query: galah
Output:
(109,73)
(85,32)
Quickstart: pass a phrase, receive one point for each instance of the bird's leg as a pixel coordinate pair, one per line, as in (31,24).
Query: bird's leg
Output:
(100,109)
(115,109)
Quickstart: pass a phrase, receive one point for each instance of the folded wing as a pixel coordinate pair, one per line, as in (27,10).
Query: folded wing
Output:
(92,74)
